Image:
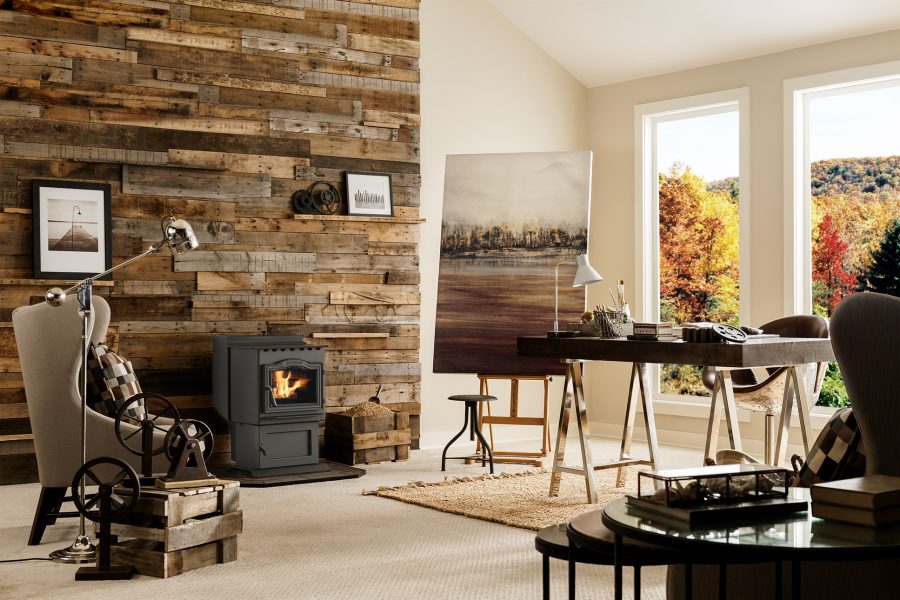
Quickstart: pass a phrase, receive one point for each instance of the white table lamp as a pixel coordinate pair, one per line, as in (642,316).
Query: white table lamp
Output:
(584,275)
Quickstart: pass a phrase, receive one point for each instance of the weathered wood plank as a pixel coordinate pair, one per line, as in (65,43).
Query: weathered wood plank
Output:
(230,281)
(24,25)
(368,24)
(250,262)
(193,183)
(67,50)
(375,297)
(211,61)
(178,38)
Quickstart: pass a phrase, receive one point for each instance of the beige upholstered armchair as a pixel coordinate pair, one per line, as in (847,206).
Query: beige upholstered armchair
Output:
(49,341)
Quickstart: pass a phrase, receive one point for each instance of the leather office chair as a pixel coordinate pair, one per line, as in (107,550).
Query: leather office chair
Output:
(49,343)
(762,390)
(865,335)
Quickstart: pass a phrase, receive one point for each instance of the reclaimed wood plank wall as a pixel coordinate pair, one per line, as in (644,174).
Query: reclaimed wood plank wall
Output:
(217,111)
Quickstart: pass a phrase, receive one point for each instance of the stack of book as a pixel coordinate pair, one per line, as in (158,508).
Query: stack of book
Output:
(873,500)
(664,331)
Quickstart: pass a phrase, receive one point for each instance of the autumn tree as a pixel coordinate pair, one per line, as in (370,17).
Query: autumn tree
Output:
(833,280)
(883,275)
(698,249)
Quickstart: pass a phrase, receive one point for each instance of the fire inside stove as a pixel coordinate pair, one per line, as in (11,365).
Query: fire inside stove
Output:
(291,386)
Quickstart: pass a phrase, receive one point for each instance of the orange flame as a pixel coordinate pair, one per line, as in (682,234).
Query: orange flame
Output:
(285,386)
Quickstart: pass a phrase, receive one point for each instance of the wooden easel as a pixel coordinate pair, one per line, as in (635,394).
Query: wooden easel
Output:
(513,418)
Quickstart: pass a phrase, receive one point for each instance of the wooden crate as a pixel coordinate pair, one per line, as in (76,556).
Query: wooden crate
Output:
(367,439)
(173,531)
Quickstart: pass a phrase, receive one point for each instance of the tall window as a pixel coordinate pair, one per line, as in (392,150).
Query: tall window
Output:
(690,214)
(847,156)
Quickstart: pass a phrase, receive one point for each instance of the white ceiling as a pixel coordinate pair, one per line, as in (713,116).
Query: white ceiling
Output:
(607,41)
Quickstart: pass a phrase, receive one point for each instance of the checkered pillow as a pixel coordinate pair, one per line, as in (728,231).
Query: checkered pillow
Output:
(111,382)
(838,452)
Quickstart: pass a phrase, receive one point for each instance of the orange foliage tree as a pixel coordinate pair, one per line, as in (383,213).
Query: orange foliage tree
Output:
(698,250)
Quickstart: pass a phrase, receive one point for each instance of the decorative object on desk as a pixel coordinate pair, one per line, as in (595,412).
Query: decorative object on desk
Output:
(110,475)
(610,323)
(659,332)
(497,251)
(321,197)
(516,499)
(369,194)
(71,227)
(153,407)
(712,333)
(179,237)
(715,493)
(188,445)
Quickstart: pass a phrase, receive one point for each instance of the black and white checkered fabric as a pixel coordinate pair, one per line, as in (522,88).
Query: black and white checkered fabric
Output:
(838,452)
(111,382)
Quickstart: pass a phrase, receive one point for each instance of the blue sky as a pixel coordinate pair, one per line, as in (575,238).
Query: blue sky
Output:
(844,126)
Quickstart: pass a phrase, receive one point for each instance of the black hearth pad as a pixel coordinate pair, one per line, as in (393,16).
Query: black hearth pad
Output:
(334,472)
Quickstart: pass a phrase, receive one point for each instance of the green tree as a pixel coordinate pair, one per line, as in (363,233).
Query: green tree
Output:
(883,274)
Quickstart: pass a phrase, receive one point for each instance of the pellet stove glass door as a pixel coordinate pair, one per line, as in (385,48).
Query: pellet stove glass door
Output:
(292,384)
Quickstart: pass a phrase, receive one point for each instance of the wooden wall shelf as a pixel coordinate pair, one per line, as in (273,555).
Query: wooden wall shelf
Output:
(52,282)
(397,220)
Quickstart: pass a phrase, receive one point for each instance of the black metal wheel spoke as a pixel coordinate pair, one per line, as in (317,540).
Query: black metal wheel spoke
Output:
(119,479)
(93,477)
(117,502)
(131,435)
(92,502)
(159,428)
(200,437)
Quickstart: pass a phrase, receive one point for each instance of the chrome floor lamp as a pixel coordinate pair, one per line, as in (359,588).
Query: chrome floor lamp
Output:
(179,237)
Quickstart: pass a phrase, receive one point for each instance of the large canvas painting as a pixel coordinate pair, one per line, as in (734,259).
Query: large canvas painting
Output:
(508,220)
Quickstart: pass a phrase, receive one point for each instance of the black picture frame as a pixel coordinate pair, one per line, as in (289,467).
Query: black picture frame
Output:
(369,194)
(71,229)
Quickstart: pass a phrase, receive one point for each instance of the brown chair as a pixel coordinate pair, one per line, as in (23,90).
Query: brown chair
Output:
(49,343)
(762,390)
(865,335)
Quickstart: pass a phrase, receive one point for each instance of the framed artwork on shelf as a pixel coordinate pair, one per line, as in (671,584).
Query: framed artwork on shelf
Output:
(71,227)
(369,194)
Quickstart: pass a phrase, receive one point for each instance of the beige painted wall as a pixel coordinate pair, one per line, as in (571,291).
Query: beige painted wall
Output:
(485,88)
(611,123)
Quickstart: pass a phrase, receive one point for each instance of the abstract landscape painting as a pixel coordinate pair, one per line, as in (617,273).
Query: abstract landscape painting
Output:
(508,220)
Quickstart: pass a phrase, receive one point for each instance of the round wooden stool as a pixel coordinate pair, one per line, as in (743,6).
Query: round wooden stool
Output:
(472,401)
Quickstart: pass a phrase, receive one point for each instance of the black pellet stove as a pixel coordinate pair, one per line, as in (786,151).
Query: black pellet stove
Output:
(272,390)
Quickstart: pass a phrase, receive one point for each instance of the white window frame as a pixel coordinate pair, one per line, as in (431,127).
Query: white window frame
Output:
(646,118)
(798,93)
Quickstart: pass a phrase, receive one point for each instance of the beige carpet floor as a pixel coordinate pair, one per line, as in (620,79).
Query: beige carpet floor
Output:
(327,541)
(515,499)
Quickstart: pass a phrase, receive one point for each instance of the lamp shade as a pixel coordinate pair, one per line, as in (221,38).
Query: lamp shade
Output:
(585,273)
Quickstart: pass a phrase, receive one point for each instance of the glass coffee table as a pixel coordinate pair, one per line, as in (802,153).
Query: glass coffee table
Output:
(796,538)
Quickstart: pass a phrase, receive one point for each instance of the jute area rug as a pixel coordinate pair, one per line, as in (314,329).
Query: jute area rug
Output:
(516,499)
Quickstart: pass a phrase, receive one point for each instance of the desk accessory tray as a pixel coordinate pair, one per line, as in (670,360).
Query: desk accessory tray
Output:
(715,494)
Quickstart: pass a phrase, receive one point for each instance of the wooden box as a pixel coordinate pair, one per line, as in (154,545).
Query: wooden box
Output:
(367,439)
(173,531)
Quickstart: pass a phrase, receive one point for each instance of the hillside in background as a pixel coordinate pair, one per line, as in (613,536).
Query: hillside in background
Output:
(849,175)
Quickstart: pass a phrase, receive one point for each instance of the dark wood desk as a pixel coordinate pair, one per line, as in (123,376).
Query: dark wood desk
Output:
(765,352)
